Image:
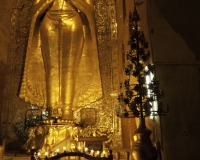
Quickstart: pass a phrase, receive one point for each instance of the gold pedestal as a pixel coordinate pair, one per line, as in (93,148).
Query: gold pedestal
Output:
(143,148)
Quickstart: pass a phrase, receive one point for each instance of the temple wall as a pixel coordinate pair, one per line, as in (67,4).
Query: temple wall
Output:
(2,83)
(5,19)
(178,72)
(177,69)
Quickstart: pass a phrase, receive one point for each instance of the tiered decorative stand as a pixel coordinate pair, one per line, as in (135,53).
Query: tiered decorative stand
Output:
(136,97)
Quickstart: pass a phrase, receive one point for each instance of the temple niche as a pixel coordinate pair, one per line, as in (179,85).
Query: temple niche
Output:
(47,126)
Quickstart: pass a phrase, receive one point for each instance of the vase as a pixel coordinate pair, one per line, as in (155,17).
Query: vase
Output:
(143,148)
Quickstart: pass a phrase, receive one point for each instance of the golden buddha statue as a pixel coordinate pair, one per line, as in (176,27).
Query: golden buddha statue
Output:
(61,70)
(49,140)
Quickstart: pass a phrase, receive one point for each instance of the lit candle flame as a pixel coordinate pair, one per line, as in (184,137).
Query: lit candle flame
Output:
(38,154)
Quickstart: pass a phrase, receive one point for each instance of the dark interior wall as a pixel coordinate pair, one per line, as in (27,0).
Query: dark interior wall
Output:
(174,53)
(183,16)
(174,35)
(5,21)
(2,84)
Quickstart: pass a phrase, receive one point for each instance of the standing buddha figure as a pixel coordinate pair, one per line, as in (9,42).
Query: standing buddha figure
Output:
(61,67)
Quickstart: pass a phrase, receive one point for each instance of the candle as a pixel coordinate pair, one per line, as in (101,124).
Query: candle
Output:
(92,151)
(39,154)
(64,148)
(86,149)
(51,121)
(104,153)
(46,154)
(57,150)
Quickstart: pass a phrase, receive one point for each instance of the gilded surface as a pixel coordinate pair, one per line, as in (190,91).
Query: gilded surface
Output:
(59,137)
(64,71)
(107,44)
(106,122)
(14,109)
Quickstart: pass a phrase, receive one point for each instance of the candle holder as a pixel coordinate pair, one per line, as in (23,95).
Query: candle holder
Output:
(135,99)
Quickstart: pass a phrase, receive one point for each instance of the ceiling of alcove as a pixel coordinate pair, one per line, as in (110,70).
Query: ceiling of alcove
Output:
(183,16)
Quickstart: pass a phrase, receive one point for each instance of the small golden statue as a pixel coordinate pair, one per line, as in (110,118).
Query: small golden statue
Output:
(61,67)
(59,138)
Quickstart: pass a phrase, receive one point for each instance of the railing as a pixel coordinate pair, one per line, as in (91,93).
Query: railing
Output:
(78,154)
(72,154)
